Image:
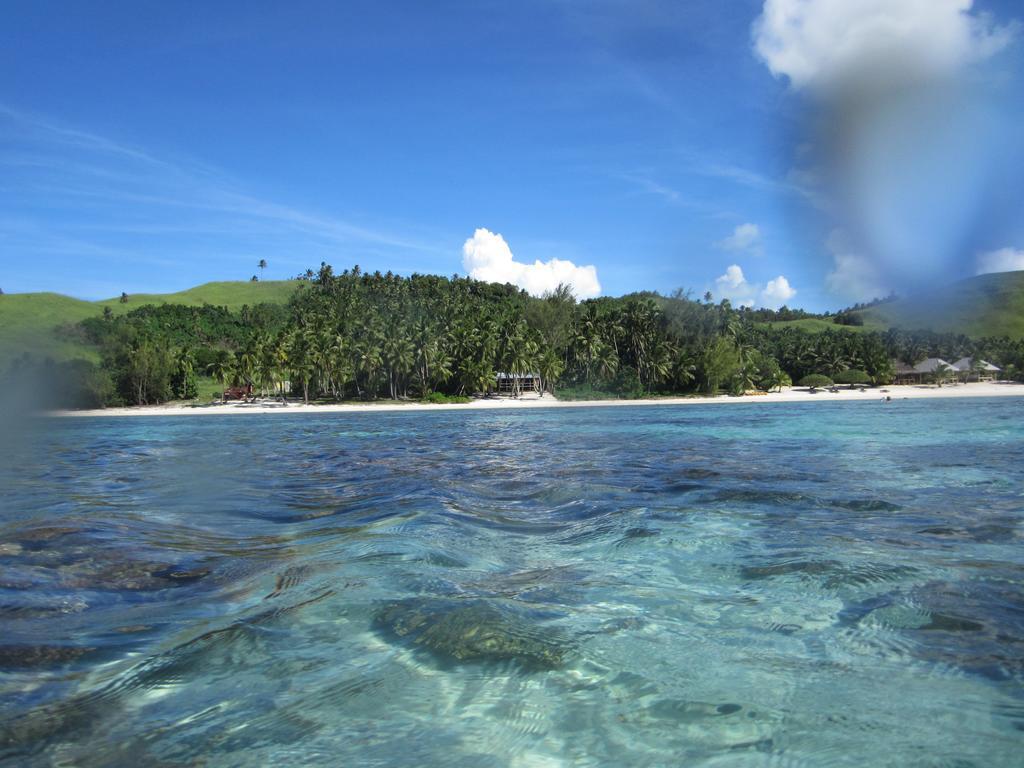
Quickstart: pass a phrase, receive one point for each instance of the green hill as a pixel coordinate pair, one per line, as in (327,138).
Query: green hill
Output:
(233,295)
(37,322)
(817,325)
(986,305)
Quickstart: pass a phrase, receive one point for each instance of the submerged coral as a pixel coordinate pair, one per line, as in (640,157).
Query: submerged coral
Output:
(474,630)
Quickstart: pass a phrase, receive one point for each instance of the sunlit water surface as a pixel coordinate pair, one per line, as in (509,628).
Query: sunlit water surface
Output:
(785,585)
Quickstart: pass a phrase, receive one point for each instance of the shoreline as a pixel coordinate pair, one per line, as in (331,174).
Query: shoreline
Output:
(787,395)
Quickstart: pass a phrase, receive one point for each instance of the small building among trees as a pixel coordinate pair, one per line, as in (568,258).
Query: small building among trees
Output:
(972,369)
(930,369)
(517,383)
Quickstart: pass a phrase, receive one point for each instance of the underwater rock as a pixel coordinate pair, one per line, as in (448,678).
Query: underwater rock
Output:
(473,630)
(129,575)
(787,567)
(974,625)
(34,656)
(866,505)
(47,533)
(641,533)
(180,575)
(689,711)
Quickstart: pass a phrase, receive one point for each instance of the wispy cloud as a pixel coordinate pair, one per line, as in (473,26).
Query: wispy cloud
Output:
(647,185)
(744,237)
(77,192)
(751,179)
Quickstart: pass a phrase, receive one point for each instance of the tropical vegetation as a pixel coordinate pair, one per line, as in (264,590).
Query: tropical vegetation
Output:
(356,335)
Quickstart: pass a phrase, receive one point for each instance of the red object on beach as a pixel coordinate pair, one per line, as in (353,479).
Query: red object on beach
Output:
(238,393)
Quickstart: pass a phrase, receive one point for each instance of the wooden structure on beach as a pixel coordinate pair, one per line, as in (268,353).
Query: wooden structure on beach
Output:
(983,371)
(964,369)
(517,383)
(923,371)
(238,393)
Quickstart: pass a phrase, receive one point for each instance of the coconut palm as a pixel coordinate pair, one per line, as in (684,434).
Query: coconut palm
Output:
(399,358)
(223,369)
(550,367)
(607,362)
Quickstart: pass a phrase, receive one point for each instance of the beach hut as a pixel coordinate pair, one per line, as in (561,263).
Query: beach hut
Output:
(903,373)
(916,374)
(517,383)
(983,371)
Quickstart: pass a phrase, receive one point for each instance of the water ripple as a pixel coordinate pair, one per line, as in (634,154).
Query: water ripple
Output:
(769,586)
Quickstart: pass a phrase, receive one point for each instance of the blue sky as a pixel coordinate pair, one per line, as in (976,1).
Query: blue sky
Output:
(150,146)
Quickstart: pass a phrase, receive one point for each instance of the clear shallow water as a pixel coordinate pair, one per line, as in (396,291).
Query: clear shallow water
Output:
(838,584)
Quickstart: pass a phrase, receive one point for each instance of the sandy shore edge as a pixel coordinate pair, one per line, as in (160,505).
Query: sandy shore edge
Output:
(787,395)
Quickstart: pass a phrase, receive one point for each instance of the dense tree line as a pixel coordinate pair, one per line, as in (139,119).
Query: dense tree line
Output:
(369,336)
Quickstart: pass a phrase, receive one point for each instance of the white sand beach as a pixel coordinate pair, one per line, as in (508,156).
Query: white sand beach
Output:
(787,395)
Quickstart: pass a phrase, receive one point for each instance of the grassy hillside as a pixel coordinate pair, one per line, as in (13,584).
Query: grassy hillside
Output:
(32,322)
(29,321)
(987,305)
(816,325)
(232,295)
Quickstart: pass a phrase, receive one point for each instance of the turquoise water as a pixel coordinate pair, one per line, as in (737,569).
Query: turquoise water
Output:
(751,585)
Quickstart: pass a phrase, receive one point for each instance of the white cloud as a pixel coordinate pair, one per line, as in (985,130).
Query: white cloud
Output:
(1003,260)
(777,292)
(853,276)
(487,257)
(733,285)
(732,279)
(746,237)
(823,42)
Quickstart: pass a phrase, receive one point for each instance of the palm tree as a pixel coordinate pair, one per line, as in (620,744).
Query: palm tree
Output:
(977,368)
(831,361)
(262,265)
(224,370)
(399,358)
(549,366)
(587,344)
(302,368)
(607,363)
(369,362)
(338,369)
(184,374)
(659,365)
(685,371)
(246,367)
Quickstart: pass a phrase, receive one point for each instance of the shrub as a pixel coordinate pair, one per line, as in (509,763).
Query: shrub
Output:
(586,392)
(441,397)
(852,376)
(627,383)
(814,380)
